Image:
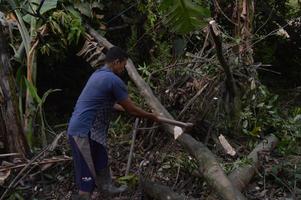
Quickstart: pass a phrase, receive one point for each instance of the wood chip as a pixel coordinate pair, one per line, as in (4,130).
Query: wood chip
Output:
(229,149)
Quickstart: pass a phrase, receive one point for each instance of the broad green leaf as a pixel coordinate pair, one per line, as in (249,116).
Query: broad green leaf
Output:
(27,18)
(22,28)
(184,16)
(165,4)
(84,8)
(33,91)
(48,5)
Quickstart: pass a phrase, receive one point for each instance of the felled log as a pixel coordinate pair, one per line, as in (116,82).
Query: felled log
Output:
(161,192)
(242,176)
(208,166)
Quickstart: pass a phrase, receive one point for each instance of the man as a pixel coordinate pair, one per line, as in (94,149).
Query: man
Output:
(88,126)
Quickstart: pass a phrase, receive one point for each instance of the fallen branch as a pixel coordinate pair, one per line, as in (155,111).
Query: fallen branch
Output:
(42,154)
(9,155)
(208,166)
(192,100)
(242,176)
(161,192)
(37,163)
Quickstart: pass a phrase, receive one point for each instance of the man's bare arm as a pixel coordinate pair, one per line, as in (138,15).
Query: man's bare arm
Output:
(130,107)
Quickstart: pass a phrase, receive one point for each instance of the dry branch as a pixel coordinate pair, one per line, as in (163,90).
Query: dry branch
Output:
(38,158)
(222,60)
(208,166)
(38,163)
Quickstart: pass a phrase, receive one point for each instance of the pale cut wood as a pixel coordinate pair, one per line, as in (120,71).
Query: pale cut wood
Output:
(208,166)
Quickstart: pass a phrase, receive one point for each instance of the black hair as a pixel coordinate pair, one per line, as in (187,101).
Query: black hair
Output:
(115,53)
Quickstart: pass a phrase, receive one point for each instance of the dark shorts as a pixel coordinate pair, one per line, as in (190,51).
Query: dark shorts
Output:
(89,157)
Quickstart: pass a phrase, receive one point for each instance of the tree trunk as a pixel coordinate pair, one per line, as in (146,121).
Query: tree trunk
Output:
(15,141)
(243,17)
(161,192)
(241,177)
(208,166)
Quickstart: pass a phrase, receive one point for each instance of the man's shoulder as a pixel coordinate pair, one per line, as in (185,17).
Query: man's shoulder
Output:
(108,78)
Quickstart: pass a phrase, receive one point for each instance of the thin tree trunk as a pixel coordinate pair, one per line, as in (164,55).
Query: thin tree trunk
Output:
(208,166)
(10,122)
(243,17)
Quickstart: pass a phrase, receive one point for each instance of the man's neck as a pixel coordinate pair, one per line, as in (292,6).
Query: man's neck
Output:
(110,66)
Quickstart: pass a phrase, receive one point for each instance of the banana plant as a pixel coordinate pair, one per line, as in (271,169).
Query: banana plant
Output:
(30,41)
(34,18)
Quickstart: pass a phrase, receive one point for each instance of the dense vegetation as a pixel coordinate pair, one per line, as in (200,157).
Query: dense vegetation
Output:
(238,77)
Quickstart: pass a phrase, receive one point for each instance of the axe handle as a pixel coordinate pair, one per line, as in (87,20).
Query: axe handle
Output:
(173,122)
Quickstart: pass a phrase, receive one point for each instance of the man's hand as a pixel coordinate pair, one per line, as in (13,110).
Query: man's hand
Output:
(118,107)
(153,117)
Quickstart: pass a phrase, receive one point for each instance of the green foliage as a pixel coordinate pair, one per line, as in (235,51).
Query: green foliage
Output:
(37,110)
(290,133)
(86,8)
(48,5)
(261,115)
(241,162)
(130,180)
(143,69)
(188,163)
(119,126)
(16,195)
(33,91)
(290,170)
(184,16)
(67,23)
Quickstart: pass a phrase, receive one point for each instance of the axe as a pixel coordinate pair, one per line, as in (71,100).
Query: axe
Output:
(179,128)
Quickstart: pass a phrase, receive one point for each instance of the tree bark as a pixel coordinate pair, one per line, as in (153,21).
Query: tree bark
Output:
(241,177)
(161,192)
(10,118)
(208,166)
(243,17)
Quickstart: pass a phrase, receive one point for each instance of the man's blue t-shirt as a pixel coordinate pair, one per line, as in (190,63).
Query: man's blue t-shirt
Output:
(102,90)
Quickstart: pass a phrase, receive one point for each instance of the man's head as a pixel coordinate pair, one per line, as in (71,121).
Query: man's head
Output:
(116,59)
